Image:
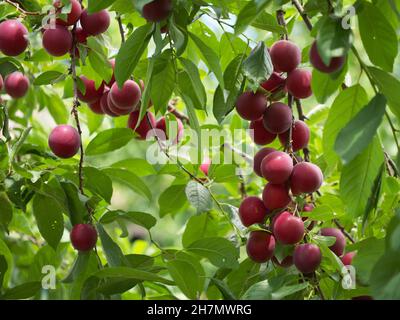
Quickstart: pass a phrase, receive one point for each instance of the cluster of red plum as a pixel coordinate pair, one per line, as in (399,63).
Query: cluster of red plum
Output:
(108,98)
(286,173)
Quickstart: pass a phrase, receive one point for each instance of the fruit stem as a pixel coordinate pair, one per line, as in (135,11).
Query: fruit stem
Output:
(121,28)
(302,13)
(347,235)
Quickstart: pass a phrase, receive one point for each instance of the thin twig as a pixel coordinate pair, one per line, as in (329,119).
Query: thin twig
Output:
(22,10)
(302,13)
(179,115)
(347,235)
(302,117)
(280,16)
(121,28)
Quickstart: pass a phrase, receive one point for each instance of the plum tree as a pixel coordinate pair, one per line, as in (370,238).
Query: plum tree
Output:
(16,85)
(306,178)
(92,93)
(252,210)
(175,126)
(277,118)
(285,56)
(300,136)
(347,258)
(157,10)
(95,23)
(287,228)
(274,83)
(83,237)
(260,134)
(298,83)
(13,37)
(258,158)
(335,64)
(307,257)
(145,125)
(57,41)
(72,17)
(275,196)
(277,167)
(251,106)
(64,141)
(260,246)
(340,243)
(126,97)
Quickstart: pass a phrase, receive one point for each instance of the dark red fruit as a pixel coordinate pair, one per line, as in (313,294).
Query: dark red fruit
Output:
(298,83)
(306,178)
(275,196)
(340,243)
(144,126)
(13,37)
(285,55)
(116,109)
(96,107)
(91,94)
(300,136)
(57,41)
(278,118)
(16,85)
(73,16)
(288,229)
(261,135)
(157,10)
(275,83)
(95,23)
(126,97)
(64,141)
(308,208)
(83,237)
(347,259)
(258,158)
(175,125)
(277,167)
(307,257)
(252,210)
(104,104)
(335,64)
(260,246)
(81,35)
(251,106)
(285,263)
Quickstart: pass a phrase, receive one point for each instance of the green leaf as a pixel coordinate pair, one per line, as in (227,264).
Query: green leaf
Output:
(79,267)
(258,66)
(130,52)
(49,77)
(137,165)
(95,5)
(220,251)
(55,105)
(179,37)
(130,273)
(266,21)
(242,278)
(359,131)
(162,81)
(220,108)
(143,219)
(129,179)
(6,210)
(389,85)
(249,13)
(113,252)
(224,289)
(48,215)
(172,200)
(74,203)
(192,72)
(324,85)
(210,58)
(3,269)
(379,38)
(98,182)
(198,196)
(7,263)
(346,105)
(385,277)
(23,291)
(185,277)
(109,140)
(198,227)
(357,178)
(333,40)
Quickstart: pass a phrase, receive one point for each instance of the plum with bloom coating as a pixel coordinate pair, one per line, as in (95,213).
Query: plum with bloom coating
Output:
(260,246)
(307,257)
(13,38)
(83,237)
(64,141)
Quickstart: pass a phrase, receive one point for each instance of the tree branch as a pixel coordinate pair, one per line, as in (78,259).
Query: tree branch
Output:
(121,28)
(347,235)
(18,6)
(302,13)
